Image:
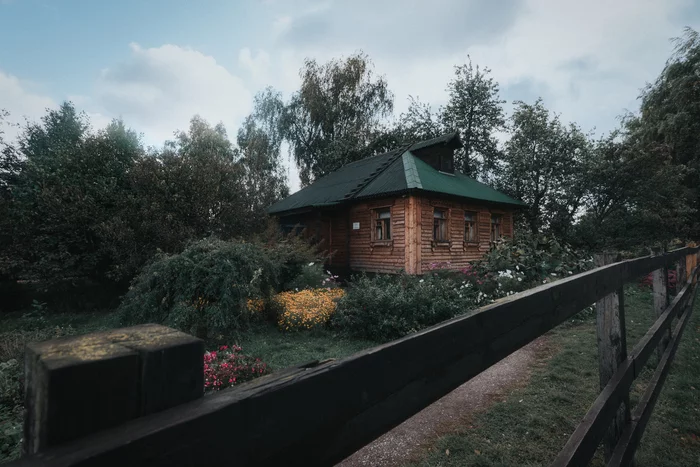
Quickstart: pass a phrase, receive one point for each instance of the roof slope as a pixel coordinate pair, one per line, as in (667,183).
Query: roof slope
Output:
(393,172)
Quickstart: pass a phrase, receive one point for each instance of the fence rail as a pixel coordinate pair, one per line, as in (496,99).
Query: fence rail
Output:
(320,413)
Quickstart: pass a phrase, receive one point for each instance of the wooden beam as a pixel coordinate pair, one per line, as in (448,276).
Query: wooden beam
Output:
(680,274)
(79,385)
(320,415)
(410,240)
(612,349)
(660,291)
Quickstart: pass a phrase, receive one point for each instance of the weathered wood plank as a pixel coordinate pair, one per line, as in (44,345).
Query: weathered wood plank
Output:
(319,415)
(629,441)
(660,291)
(79,385)
(612,350)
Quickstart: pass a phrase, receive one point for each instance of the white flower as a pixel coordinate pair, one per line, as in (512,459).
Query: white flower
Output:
(554,274)
(420,281)
(520,279)
(570,272)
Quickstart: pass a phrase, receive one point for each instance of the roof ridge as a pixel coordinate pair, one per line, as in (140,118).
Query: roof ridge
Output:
(373,175)
(410,170)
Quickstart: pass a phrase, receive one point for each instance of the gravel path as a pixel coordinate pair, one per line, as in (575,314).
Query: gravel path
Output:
(408,440)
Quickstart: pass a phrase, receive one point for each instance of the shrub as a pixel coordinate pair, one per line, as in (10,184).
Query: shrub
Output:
(10,383)
(307,308)
(293,255)
(228,367)
(386,307)
(312,276)
(204,289)
(533,259)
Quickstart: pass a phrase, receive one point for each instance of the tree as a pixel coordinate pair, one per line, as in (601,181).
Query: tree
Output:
(70,182)
(669,121)
(331,119)
(259,140)
(542,165)
(474,110)
(418,123)
(634,197)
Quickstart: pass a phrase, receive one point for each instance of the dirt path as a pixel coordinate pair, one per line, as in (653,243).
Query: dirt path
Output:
(408,440)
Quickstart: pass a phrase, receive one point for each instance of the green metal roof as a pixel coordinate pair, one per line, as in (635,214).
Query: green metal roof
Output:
(389,173)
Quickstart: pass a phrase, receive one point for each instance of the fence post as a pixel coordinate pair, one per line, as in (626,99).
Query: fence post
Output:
(660,291)
(680,274)
(78,385)
(612,349)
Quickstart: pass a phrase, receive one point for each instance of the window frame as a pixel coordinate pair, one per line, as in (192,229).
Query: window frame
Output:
(446,222)
(474,222)
(385,222)
(498,226)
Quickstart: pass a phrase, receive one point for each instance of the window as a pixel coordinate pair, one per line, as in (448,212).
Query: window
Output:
(496,228)
(470,234)
(382,224)
(440,225)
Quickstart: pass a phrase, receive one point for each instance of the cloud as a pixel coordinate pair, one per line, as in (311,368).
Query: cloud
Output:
(404,28)
(588,60)
(158,90)
(17,97)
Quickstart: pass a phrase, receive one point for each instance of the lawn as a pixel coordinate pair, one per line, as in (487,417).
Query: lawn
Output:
(533,423)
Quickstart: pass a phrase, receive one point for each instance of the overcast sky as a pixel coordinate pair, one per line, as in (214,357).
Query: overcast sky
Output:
(156,63)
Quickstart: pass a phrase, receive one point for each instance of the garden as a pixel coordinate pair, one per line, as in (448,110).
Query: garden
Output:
(263,306)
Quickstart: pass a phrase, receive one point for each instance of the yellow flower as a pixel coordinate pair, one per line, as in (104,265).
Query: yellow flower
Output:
(307,308)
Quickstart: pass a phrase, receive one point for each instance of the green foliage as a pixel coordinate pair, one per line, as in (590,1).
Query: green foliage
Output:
(543,166)
(533,258)
(204,289)
(259,142)
(476,111)
(331,119)
(312,276)
(10,383)
(386,307)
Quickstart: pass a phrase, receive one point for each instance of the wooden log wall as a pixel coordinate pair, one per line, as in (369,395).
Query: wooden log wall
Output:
(386,256)
(457,254)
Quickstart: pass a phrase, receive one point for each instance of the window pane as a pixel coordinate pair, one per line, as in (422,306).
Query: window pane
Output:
(469,216)
(439,214)
(384,214)
(387,229)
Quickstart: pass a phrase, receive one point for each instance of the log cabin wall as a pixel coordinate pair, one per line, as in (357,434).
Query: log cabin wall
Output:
(328,228)
(456,253)
(377,256)
(411,247)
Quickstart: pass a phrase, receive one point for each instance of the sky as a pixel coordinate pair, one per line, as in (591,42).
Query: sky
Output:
(157,63)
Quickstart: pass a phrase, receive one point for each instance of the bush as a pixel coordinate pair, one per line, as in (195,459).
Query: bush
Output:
(387,307)
(228,367)
(532,258)
(10,383)
(306,309)
(312,276)
(204,289)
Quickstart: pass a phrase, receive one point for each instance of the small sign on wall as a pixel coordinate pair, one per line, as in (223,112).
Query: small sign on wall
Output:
(355,226)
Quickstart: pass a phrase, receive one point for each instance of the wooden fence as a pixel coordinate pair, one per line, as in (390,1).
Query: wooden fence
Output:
(320,413)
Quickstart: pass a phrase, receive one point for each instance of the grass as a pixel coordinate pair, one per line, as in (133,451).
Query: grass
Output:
(280,350)
(531,425)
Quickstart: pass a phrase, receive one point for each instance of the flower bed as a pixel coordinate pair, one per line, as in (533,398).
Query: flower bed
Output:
(306,309)
(228,367)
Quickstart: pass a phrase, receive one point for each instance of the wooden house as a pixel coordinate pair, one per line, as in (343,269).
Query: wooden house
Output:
(407,209)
